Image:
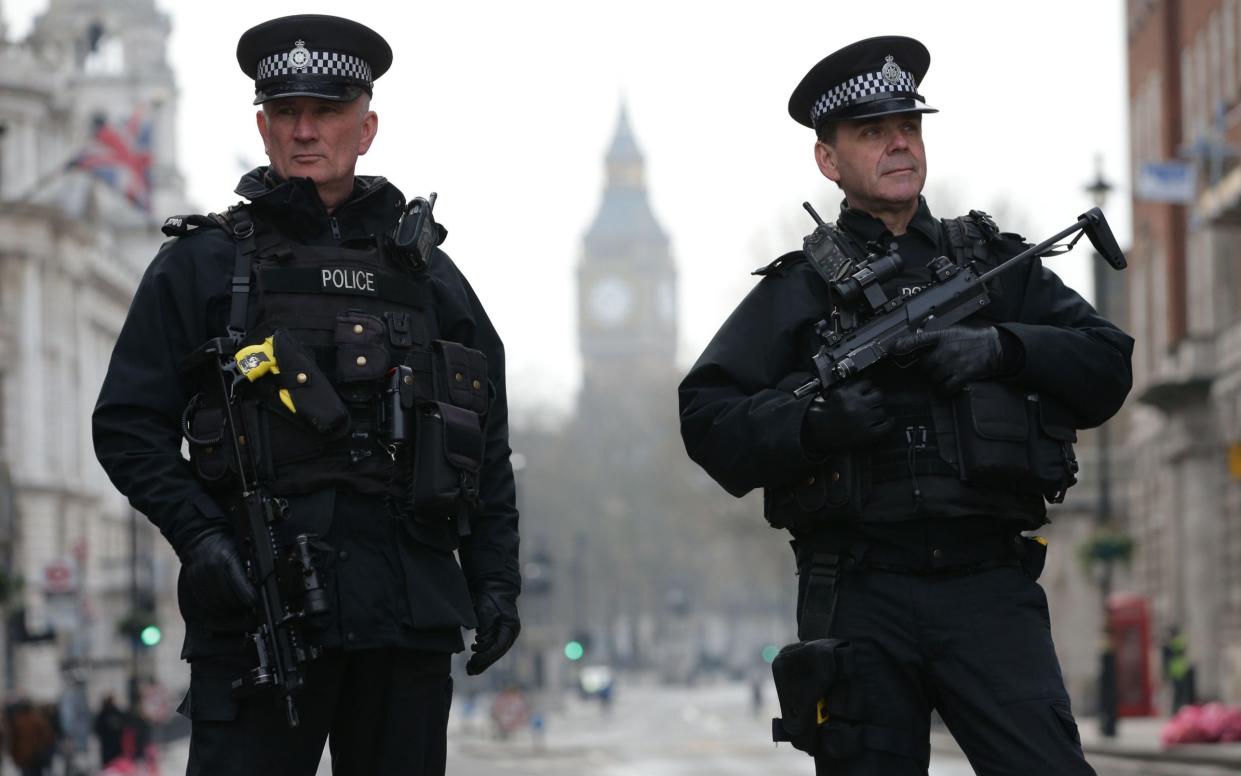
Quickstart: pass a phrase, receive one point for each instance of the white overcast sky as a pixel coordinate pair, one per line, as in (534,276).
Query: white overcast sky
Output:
(506,110)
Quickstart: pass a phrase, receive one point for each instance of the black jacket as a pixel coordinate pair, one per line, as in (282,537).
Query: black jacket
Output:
(389,592)
(742,424)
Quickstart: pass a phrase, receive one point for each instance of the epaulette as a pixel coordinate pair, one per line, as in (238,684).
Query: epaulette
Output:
(779,264)
(180,226)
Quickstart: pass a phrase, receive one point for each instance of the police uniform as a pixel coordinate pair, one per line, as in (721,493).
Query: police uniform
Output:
(922,578)
(337,292)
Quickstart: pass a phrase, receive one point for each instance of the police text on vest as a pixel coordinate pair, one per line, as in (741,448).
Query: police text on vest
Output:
(349,280)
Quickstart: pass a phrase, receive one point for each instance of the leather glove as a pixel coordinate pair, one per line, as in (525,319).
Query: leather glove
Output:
(956,355)
(215,574)
(498,626)
(850,415)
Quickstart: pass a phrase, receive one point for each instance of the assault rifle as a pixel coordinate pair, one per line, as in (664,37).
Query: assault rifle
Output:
(288,585)
(954,293)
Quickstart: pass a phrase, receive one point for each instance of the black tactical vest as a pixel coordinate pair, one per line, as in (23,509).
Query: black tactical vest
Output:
(917,469)
(405,414)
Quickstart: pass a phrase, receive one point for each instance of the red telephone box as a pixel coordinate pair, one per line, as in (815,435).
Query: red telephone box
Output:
(1128,620)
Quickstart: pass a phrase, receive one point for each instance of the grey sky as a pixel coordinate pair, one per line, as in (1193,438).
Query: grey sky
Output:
(506,110)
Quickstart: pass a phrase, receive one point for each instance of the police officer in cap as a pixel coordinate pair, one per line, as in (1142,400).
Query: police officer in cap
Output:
(311,273)
(913,570)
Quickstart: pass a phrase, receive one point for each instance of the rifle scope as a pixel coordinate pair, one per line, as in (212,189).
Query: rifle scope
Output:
(852,289)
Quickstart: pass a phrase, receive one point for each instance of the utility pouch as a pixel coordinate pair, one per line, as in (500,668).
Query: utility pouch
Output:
(992,432)
(449,444)
(316,401)
(834,490)
(811,679)
(1012,438)
(206,432)
(450,455)
(361,347)
(461,375)
(1052,460)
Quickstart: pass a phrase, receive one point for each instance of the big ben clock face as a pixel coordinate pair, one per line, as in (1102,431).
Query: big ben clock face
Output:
(610,301)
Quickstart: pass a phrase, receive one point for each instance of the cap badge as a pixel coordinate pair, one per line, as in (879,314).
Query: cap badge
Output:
(299,57)
(891,71)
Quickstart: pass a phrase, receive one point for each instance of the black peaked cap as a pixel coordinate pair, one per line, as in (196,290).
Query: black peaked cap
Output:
(873,77)
(312,55)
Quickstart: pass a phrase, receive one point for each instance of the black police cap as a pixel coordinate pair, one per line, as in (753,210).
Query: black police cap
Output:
(873,77)
(311,55)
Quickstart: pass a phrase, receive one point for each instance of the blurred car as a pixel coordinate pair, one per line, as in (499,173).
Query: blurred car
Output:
(595,682)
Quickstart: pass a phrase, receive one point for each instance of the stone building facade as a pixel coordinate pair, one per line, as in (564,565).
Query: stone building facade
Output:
(72,249)
(1185,309)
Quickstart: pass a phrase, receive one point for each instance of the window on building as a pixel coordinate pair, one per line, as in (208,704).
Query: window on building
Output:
(1215,69)
(1202,87)
(1228,54)
(1187,92)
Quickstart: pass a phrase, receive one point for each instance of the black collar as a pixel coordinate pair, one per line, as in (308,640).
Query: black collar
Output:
(865,228)
(295,206)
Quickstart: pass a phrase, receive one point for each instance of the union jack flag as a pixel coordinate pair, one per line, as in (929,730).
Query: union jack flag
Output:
(121,157)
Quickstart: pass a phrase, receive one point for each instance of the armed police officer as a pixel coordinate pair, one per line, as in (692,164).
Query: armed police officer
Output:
(341,391)
(906,487)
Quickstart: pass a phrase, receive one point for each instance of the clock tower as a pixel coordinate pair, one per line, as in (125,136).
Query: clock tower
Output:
(626,287)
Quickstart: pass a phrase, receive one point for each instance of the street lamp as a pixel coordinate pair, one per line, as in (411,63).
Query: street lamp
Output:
(1098,189)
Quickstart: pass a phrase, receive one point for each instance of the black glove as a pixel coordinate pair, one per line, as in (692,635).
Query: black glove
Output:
(498,627)
(215,574)
(850,415)
(956,355)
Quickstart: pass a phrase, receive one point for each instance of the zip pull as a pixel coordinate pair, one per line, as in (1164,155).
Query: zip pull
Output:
(335,227)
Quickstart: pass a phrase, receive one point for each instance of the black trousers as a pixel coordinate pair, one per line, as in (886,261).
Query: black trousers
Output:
(976,647)
(383,711)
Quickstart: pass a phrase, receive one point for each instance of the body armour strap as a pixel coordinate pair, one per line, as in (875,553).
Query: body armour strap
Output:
(243,233)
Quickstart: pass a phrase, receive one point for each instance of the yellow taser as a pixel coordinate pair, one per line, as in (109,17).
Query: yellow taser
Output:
(254,361)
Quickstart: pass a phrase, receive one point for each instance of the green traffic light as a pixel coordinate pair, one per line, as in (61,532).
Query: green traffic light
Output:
(769,653)
(574,650)
(150,635)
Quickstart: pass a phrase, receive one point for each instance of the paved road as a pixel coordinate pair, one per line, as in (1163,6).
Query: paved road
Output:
(650,731)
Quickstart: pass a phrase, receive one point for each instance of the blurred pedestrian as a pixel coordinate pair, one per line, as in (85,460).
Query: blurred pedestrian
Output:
(1177,670)
(109,725)
(31,738)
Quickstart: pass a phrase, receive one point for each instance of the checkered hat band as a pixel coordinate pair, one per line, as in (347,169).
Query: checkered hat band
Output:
(860,87)
(329,63)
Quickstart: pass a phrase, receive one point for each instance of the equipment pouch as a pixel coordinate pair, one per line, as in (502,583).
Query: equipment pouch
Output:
(361,347)
(312,394)
(1012,438)
(992,430)
(811,680)
(835,490)
(1053,463)
(461,375)
(448,460)
(211,451)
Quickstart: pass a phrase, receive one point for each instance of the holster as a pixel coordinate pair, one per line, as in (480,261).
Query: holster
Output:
(821,712)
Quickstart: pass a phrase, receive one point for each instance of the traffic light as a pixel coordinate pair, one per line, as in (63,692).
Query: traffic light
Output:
(140,627)
(769,653)
(575,648)
(150,635)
